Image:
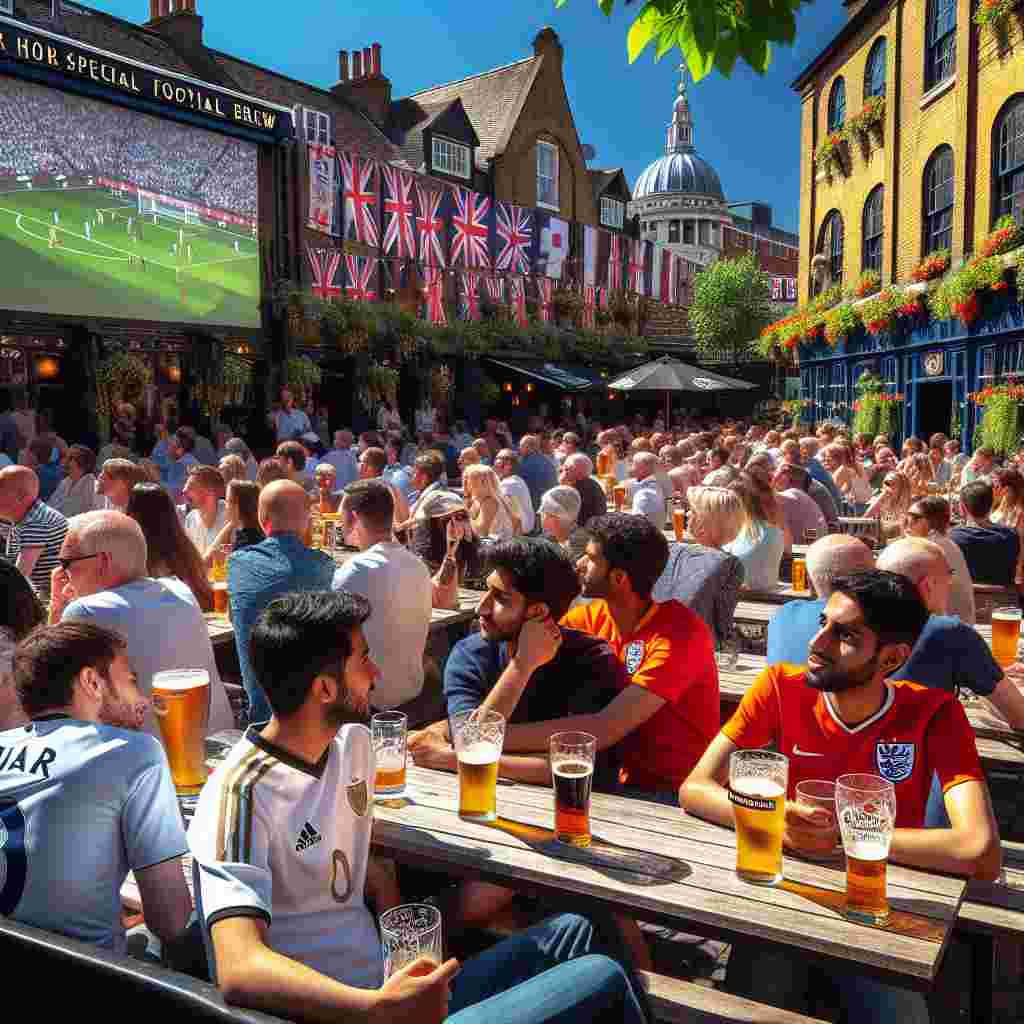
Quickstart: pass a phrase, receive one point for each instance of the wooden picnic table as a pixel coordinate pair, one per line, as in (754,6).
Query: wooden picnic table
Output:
(688,883)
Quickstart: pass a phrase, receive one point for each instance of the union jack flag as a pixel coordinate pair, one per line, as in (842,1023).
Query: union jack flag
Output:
(470,294)
(546,287)
(323,264)
(589,306)
(776,288)
(430,226)
(636,267)
(361,272)
(517,288)
(434,294)
(359,183)
(495,288)
(515,238)
(399,234)
(615,263)
(469,228)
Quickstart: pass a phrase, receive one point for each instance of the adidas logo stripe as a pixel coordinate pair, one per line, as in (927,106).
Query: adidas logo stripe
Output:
(307,837)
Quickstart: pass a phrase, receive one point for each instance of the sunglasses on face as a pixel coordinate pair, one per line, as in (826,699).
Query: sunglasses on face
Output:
(66,563)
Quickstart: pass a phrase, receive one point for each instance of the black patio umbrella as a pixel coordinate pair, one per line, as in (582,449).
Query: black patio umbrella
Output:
(668,375)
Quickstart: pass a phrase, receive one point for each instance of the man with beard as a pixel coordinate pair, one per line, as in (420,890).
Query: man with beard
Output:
(85,797)
(281,840)
(843,713)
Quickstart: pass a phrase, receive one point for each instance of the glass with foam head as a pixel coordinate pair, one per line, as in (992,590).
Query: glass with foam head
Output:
(410,931)
(758,781)
(389,730)
(866,808)
(478,737)
(181,703)
(1005,634)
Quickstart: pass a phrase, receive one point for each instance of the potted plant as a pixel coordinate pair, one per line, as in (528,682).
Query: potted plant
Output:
(994,14)
(840,322)
(867,284)
(1000,424)
(301,373)
(869,118)
(934,265)
(1005,237)
(878,314)
(830,151)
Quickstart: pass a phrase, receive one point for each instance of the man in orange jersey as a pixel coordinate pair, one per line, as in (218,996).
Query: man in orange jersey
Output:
(667,712)
(841,713)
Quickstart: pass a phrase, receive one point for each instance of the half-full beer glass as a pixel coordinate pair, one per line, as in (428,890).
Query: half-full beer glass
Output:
(757,790)
(389,729)
(572,775)
(478,737)
(220,597)
(410,931)
(181,703)
(1005,634)
(866,807)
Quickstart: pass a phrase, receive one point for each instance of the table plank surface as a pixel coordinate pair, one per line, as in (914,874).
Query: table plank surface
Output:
(688,882)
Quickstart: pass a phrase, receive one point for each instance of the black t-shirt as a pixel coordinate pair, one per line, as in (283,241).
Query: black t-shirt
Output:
(991,552)
(592,499)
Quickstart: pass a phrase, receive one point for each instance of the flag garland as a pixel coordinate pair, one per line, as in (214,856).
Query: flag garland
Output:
(514,227)
(361,191)
(361,273)
(324,265)
(399,217)
(470,230)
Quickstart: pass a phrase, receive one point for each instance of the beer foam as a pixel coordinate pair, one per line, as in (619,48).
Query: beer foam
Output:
(181,679)
(757,786)
(999,615)
(866,849)
(479,752)
(571,769)
(390,760)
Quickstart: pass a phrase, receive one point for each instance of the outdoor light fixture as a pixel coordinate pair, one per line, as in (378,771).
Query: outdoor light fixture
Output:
(47,368)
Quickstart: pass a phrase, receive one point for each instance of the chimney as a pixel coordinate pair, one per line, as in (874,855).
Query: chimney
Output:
(546,42)
(343,65)
(178,22)
(368,88)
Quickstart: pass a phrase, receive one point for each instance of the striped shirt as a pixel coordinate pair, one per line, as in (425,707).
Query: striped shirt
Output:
(41,527)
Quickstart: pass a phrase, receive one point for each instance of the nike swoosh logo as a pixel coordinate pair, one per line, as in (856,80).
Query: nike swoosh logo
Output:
(805,753)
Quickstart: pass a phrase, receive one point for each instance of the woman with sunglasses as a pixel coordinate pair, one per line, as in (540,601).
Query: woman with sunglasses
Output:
(891,503)
(928,518)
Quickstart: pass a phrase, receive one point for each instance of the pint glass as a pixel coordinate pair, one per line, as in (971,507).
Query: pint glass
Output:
(679,522)
(799,575)
(220,597)
(410,931)
(619,494)
(478,737)
(757,791)
(388,729)
(572,775)
(181,703)
(866,807)
(1005,634)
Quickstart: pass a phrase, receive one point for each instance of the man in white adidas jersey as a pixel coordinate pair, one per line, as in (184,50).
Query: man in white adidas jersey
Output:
(85,796)
(281,841)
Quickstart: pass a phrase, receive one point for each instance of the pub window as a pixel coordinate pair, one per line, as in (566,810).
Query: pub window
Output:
(613,212)
(673,231)
(987,365)
(830,242)
(872,234)
(938,200)
(318,128)
(547,175)
(688,232)
(837,105)
(874,73)
(447,157)
(1008,146)
(939,42)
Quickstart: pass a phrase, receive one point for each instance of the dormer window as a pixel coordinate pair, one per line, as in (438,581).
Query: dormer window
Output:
(448,157)
(613,212)
(318,127)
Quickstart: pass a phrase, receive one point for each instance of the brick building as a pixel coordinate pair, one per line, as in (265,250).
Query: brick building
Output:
(941,165)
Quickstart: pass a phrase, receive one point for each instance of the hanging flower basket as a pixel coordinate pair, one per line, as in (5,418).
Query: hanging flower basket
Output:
(934,265)
(840,322)
(301,373)
(879,314)
(1006,236)
(869,118)
(830,151)
(119,378)
(999,428)
(993,13)
(868,283)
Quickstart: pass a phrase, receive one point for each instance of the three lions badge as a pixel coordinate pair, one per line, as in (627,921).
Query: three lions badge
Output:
(634,655)
(895,760)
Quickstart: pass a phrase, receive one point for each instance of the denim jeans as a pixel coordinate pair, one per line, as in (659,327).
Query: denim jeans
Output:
(548,974)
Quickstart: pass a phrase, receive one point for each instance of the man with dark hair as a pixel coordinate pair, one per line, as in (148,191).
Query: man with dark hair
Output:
(180,448)
(668,712)
(372,462)
(843,713)
(85,797)
(397,585)
(281,840)
(204,489)
(294,457)
(990,549)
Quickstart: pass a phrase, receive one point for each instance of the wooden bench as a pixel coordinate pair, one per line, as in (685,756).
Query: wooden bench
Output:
(682,1002)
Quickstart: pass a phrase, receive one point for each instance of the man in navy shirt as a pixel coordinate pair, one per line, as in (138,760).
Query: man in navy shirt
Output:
(990,550)
(539,473)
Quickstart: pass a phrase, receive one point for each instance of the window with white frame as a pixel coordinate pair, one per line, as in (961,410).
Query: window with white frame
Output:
(547,175)
(318,127)
(613,212)
(449,157)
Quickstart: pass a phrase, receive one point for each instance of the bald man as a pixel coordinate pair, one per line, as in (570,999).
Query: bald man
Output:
(796,623)
(277,565)
(36,532)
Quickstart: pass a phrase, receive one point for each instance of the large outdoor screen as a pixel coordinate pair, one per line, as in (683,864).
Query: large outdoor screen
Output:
(107,212)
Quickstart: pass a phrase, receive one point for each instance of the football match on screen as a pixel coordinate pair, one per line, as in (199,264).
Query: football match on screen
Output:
(110,213)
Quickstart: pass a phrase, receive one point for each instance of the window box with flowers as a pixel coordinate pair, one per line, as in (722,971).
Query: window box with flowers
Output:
(869,119)
(830,153)
(1001,421)
(958,296)
(1006,236)
(867,284)
(994,14)
(840,322)
(933,266)
(880,313)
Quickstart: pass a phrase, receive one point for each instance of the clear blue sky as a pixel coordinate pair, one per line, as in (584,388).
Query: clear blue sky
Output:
(748,126)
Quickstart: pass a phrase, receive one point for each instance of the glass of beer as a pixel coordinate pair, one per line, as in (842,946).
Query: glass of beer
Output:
(679,522)
(220,597)
(1005,634)
(572,775)
(820,793)
(619,494)
(799,575)
(478,737)
(181,703)
(866,807)
(219,564)
(410,931)
(758,780)
(389,729)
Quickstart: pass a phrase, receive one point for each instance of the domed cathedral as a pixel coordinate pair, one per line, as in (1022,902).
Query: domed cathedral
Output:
(679,198)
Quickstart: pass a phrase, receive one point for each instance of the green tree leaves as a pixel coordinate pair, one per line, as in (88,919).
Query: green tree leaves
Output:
(730,307)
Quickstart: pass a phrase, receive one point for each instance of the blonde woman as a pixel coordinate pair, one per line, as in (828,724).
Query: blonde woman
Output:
(760,544)
(1008,506)
(850,478)
(232,467)
(918,470)
(491,514)
(891,503)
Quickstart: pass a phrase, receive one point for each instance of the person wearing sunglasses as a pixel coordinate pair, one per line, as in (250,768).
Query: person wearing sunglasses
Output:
(892,501)
(928,518)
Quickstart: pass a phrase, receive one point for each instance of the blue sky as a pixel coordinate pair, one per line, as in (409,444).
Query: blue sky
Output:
(748,126)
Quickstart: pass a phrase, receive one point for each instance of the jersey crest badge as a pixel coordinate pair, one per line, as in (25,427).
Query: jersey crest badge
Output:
(634,656)
(358,797)
(895,760)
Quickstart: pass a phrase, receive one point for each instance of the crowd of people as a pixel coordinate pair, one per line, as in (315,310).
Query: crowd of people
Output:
(45,131)
(565,533)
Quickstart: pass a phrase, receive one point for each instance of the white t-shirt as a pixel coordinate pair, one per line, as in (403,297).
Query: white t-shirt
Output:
(649,501)
(514,488)
(88,804)
(285,841)
(397,585)
(197,530)
(164,628)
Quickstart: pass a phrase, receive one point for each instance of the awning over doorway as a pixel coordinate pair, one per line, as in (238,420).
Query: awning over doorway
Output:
(568,378)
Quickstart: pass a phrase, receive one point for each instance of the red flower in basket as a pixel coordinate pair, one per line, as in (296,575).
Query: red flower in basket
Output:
(1000,286)
(967,311)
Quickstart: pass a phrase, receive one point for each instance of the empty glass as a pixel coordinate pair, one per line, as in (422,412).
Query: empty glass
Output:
(410,931)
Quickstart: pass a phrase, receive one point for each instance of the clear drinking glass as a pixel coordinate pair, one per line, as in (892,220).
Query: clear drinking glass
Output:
(572,776)
(758,781)
(410,931)
(820,793)
(478,737)
(866,808)
(1005,634)
(389,730)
